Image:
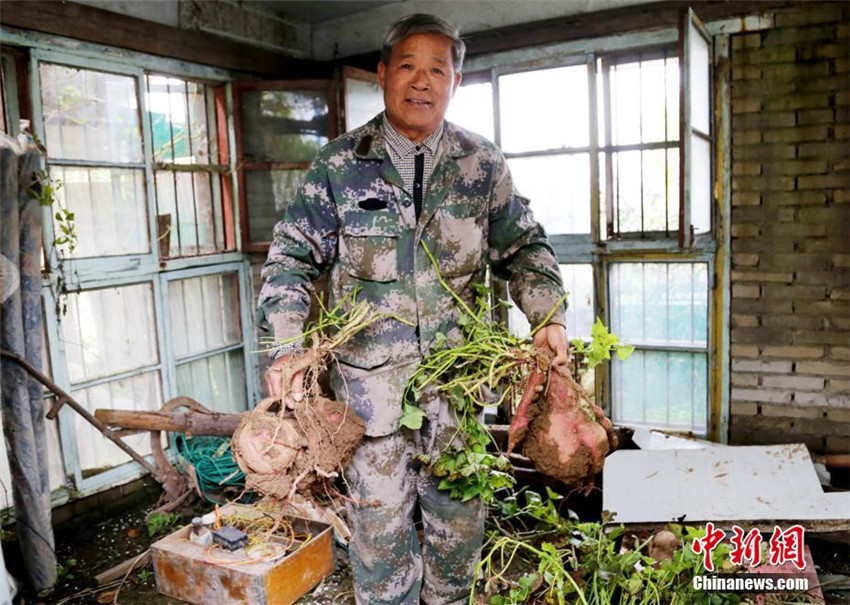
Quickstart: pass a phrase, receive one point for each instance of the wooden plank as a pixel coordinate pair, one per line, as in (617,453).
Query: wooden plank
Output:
(100,26)
(122,569)
(194,423)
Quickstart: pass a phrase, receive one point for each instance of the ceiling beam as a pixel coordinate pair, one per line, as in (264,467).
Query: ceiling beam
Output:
(582,26)
(100,26)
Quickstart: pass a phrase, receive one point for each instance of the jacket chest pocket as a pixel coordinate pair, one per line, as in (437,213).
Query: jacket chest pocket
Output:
(462,239)
(371,245)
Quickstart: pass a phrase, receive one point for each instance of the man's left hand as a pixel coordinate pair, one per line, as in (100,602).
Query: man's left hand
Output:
(554,337)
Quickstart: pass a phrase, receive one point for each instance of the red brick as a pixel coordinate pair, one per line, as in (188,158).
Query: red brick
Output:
(782,37)
(798,101)
(823,181)
(823,150)
(796,167)
(795,71)
(766,152)
(745,72)
(796,134)
(746,168)
(746,106)
(795,198)
(806,117)
(763,120)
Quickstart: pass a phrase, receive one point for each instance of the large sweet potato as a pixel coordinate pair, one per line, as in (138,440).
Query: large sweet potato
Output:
(565,434)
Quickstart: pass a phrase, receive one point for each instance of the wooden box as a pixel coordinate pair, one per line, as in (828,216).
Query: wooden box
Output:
(197,574)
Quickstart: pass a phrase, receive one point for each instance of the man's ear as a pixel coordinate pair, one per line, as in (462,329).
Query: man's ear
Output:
(458,78)
(382,74)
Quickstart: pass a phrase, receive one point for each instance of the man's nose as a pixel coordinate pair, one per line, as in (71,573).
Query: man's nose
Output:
(420,80)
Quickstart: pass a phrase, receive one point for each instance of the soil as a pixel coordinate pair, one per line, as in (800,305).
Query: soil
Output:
(97,544)
(567,439)
(306,445)
(87,546)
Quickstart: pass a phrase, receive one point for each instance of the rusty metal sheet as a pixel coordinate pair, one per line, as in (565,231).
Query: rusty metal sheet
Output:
(187,571)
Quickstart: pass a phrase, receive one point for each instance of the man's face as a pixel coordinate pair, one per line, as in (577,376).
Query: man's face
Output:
(418,84)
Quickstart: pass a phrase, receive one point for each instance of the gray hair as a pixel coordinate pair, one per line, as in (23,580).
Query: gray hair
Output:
(423,23)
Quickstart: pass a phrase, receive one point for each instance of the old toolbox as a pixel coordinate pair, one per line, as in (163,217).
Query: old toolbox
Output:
(198,574)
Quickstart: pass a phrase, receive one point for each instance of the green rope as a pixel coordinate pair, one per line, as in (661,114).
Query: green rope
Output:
(212,459)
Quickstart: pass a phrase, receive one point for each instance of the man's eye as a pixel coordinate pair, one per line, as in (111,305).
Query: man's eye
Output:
(437,71)
(405,66)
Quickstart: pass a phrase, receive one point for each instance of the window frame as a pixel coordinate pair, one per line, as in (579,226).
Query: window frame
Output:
(95,273)
(328,86)
(601,252)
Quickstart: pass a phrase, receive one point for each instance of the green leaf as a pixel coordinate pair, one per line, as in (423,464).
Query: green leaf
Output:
(411,417)
(623,351)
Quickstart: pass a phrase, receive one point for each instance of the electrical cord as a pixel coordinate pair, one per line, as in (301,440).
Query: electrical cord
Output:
(212,460)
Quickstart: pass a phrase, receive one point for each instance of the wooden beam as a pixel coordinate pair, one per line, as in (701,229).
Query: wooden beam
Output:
(100,26)
(193,423)
(597,24)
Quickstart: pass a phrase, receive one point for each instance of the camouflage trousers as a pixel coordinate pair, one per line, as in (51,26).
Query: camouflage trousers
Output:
(387,484)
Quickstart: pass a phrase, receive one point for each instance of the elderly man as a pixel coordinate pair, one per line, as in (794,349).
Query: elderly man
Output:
(370,201)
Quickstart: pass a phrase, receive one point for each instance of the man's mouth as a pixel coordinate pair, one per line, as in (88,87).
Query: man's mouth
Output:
(419,102)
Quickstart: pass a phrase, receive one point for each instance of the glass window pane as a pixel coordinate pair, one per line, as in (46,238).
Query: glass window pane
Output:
(625,111)
(652,173)
(363,101)
(168,236)
(661,389)
(660,303)
(205,313)
(109,209)
(673,190)
(141,393)
(109,331)
(269,193)
(652,101)
(187,219)
(218,382)
(544,109)
(578,283)
(558,188)
(627,192)
(90,115)
(700,184)
(284,125)
(178,115)
(672,83)
(657,197)
(644,102)
(472,108)
(699,66)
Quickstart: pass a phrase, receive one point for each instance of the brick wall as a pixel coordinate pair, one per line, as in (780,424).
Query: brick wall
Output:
(790,316)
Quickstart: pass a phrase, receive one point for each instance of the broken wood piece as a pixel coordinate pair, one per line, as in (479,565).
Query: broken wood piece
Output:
(121,569)
(191,422)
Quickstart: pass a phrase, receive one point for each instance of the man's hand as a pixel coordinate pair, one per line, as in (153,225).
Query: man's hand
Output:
(554,337)
(274,375)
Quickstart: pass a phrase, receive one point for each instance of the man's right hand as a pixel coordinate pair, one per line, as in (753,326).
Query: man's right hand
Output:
(274,375)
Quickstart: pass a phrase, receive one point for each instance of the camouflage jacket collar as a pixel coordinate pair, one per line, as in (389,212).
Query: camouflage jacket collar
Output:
(369,141)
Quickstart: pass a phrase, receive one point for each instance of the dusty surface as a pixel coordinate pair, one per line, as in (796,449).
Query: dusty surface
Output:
(298,448)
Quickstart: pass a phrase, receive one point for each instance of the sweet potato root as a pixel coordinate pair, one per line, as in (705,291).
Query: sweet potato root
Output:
(564,433)
(295,449)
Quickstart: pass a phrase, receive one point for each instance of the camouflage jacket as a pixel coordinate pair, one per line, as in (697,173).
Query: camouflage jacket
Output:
(352,217)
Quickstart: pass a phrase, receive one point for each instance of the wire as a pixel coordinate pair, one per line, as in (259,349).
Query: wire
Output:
(212,460)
